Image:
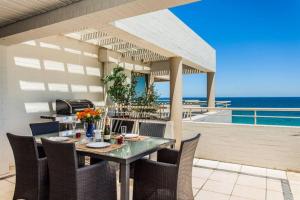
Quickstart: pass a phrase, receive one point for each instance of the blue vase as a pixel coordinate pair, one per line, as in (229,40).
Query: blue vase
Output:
(90,130)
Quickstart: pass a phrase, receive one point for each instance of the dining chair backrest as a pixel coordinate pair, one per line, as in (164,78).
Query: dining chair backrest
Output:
(44,128)
(29,173)
(116,126)
(129,125)
(62,163)
(152,129)
(117,123)
(185,166)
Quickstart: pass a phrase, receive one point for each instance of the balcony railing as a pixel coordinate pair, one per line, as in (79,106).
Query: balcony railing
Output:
(253,114)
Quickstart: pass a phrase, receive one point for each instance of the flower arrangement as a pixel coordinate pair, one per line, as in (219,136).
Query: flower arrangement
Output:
(89,115)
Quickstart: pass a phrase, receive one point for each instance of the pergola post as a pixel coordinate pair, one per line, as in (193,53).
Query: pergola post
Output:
(176,97)
(211,99)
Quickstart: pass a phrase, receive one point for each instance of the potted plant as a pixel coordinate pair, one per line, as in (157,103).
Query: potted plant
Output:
(89,117)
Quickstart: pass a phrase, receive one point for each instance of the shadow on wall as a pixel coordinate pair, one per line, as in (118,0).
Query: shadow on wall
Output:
(67,86)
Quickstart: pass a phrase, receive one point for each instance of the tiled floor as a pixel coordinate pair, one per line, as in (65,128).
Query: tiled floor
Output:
(213,180)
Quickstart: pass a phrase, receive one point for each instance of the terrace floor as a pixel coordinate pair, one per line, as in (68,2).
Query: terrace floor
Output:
(213,180)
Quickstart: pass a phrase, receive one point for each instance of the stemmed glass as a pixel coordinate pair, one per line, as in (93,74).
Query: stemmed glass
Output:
(74,123)
(123,130)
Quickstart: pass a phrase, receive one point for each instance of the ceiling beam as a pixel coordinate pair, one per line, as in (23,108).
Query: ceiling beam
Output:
(87,13)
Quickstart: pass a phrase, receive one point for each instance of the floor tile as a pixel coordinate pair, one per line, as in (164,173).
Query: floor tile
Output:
(11,179)
(272,173)
(252,181)
(208,163)
(274,185)
(195,161)
(207,195)
(295,189)
(273,195)
(292,176)
(195,191)
(229,166)
(202,172)
(254,170)
(224,176)
(198,182)
(219,186)
(238,198)
(249,192)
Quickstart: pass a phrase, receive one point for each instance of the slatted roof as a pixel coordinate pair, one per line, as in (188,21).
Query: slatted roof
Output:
(111,42)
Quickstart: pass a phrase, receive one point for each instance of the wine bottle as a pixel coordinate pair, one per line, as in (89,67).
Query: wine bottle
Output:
(106,134)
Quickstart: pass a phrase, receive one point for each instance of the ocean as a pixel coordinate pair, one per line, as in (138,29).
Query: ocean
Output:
(261,102)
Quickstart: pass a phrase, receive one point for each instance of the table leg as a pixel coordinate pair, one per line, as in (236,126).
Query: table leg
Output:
(125,173)
(81,160)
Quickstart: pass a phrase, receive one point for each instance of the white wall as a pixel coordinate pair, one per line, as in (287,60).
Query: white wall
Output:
(37,73)
(262,146)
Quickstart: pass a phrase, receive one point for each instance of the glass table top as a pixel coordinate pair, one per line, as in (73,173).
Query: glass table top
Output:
(129,150)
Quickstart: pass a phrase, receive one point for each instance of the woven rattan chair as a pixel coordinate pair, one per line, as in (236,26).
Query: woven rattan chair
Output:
(170,178)
(31,170)
(44,128)
(117,123)
(69,182)
(152,129)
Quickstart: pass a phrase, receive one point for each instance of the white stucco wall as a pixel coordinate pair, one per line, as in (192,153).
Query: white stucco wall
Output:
(35,74)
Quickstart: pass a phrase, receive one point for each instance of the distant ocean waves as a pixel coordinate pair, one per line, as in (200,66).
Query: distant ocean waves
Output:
(286,118)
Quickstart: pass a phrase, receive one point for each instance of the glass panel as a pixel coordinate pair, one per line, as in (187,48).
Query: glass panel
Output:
(130,149)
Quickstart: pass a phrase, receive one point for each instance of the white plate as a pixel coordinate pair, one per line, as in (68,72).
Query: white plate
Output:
(98,144)
(131,135)
(58,139)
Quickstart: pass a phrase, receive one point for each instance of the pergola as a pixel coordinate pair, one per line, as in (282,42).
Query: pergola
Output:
(138,32)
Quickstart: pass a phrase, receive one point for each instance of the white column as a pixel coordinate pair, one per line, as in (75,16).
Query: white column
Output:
(176,97)
(150,80)
(211,89)
(4,146)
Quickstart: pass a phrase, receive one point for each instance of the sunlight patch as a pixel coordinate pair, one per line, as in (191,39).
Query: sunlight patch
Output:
(95,88)
(50,46)
(79,88)
(54,65)
(93,71)
(27,62)
(58,87)
(37,107)
(75,69)
(32,86)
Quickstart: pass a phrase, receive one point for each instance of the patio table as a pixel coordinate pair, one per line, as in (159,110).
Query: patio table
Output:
(130,152)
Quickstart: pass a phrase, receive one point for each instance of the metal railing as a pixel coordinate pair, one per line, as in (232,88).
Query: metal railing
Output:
(201,103)
(162,112)
(190,112)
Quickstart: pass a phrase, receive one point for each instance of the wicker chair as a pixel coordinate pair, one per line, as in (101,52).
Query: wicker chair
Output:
(117,123)
(168,179)
(152,129)
(31,170)
(44,128)
(69,182)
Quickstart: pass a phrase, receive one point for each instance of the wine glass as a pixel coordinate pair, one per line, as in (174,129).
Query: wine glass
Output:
(123,130)
(74,123)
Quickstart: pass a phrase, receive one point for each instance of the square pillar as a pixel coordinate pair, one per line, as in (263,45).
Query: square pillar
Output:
(176,97)
(211,98)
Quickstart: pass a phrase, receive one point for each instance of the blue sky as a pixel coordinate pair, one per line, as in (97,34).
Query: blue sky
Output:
(257,44)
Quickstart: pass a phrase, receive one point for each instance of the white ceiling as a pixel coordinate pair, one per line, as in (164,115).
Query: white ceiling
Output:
(15,10)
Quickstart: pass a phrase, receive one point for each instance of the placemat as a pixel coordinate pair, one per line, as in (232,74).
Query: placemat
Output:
(83,147)
(136,139)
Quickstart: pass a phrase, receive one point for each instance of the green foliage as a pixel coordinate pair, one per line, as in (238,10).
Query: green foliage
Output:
(123,93)
(148,99)
(120,91)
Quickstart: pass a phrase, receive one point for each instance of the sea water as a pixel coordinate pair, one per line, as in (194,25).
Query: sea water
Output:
(261,102)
